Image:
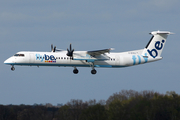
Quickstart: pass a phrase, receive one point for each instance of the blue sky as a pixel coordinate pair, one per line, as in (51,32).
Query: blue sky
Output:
(33,25)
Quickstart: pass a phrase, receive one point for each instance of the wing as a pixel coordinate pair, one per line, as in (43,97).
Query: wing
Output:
(99,52)
(91,56)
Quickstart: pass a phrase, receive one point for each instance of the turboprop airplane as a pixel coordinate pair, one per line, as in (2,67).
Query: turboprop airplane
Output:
(94,59)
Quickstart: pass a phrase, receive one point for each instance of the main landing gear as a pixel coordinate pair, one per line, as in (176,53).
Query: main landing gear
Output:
(12,68)
(75,71)
(93,71)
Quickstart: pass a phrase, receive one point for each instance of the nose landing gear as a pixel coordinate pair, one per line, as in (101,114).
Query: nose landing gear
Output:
(12,68)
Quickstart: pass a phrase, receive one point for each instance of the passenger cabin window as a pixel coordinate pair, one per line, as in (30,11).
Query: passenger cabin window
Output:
(21,55)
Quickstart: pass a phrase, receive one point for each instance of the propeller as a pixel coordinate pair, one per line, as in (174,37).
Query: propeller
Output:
(53,49)
(70,52)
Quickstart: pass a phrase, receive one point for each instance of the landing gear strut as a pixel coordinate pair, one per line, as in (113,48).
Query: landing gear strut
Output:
(12,68)
(75,71)
(93,71)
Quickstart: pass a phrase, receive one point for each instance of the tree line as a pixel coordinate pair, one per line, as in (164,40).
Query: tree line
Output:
(124,105)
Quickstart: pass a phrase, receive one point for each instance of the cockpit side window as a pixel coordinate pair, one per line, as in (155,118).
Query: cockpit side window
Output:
(21,55)
(16,55)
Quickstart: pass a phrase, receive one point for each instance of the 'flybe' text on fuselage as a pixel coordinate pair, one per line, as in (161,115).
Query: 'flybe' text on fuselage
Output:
(46,58)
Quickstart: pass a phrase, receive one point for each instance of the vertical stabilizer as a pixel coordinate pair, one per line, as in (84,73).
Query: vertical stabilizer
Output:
(156,44)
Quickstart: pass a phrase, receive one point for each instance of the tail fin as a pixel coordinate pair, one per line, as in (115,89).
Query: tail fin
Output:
(156,44)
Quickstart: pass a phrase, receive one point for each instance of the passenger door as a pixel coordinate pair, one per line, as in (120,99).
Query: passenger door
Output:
(31,58)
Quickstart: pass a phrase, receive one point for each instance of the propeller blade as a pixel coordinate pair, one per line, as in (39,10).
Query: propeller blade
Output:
(51,47)
(70,51)
(70,47)
(54,49)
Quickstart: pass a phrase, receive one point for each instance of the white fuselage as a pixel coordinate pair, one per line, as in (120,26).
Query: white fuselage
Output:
(123,59)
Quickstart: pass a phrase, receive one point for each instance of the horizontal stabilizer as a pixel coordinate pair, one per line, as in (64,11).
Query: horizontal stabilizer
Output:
(161,32)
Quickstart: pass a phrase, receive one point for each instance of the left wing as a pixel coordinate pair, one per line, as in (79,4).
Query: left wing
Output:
(91,56)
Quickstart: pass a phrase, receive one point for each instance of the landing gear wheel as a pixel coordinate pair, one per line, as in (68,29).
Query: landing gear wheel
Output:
(12,68)
(75,71)
(93,71)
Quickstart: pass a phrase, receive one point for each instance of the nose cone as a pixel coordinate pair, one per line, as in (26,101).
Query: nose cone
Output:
(8,61)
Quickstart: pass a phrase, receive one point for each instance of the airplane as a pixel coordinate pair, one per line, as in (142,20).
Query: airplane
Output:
(94,59)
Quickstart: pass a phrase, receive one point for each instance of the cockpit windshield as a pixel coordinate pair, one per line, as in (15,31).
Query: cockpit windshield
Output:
(20,55)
